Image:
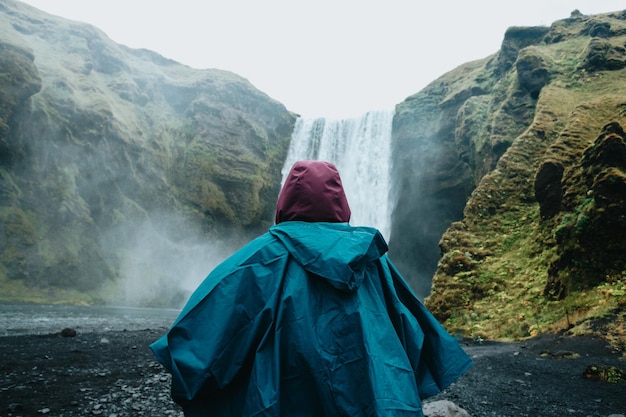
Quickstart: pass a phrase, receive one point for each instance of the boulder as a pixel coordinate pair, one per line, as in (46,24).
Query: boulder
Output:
(443,408)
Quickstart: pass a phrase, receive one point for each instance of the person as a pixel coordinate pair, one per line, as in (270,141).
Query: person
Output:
(309,319)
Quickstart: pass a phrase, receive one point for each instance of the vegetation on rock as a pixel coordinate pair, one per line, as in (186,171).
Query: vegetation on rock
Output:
(539,246)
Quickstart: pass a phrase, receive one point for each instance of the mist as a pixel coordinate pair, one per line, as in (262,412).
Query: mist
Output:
(161,261)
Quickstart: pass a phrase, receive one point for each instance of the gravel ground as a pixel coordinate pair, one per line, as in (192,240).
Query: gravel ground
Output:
(109,374)
(548,376)
(114,374)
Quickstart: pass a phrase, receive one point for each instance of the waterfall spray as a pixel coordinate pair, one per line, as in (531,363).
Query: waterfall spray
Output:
(361,150)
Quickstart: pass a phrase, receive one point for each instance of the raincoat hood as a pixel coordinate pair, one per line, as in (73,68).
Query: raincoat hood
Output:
(313,192)
(337,253)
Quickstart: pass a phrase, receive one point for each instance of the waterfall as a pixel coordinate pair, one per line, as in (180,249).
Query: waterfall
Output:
(360,148)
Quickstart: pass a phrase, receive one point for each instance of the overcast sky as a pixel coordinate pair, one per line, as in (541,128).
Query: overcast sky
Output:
(330,58)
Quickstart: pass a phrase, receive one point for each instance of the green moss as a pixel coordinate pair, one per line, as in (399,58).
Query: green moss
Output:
(19,291)
(502,293)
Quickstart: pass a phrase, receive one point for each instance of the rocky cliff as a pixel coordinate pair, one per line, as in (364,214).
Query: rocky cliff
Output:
(525,152)
(105,150)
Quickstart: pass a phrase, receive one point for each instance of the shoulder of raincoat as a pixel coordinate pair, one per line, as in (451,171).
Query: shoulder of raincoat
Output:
(310,319)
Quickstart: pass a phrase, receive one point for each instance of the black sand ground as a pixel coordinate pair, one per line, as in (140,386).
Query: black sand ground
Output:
(114,374)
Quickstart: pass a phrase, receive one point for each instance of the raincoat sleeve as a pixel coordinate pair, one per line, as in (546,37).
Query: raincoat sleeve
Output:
(436,357)
(221,325)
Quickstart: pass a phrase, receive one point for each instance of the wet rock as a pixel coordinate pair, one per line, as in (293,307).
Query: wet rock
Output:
(68,332)
(15,407)
(443,408)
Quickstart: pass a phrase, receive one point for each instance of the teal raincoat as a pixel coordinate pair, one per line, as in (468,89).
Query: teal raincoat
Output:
(310,319)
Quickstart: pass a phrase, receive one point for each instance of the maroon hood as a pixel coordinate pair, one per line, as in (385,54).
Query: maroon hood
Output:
(312,193)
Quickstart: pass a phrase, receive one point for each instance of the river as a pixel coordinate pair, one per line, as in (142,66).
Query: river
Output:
(21,319)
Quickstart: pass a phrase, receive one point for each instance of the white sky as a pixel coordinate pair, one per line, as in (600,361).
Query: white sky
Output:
(330,58)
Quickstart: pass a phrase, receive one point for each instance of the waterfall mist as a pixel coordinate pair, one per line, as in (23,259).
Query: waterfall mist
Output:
(161,261)
(360,148)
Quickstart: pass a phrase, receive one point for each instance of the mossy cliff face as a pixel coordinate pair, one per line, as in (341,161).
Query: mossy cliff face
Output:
(97,138)
(535,132)
(449,136)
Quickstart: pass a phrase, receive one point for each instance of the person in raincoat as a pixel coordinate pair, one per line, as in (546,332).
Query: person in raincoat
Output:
(309,319)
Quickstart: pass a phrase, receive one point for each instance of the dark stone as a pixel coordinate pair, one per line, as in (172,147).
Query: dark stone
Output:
(68,332)
(13,407)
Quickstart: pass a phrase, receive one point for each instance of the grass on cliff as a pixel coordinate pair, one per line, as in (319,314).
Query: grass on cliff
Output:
(511,279)
(514,307)
(519,309)
(504,285)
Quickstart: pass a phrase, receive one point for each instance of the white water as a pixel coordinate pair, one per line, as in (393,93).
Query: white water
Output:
(360,148)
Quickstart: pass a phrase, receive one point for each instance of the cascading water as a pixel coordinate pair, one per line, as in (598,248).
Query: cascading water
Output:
(360,148)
